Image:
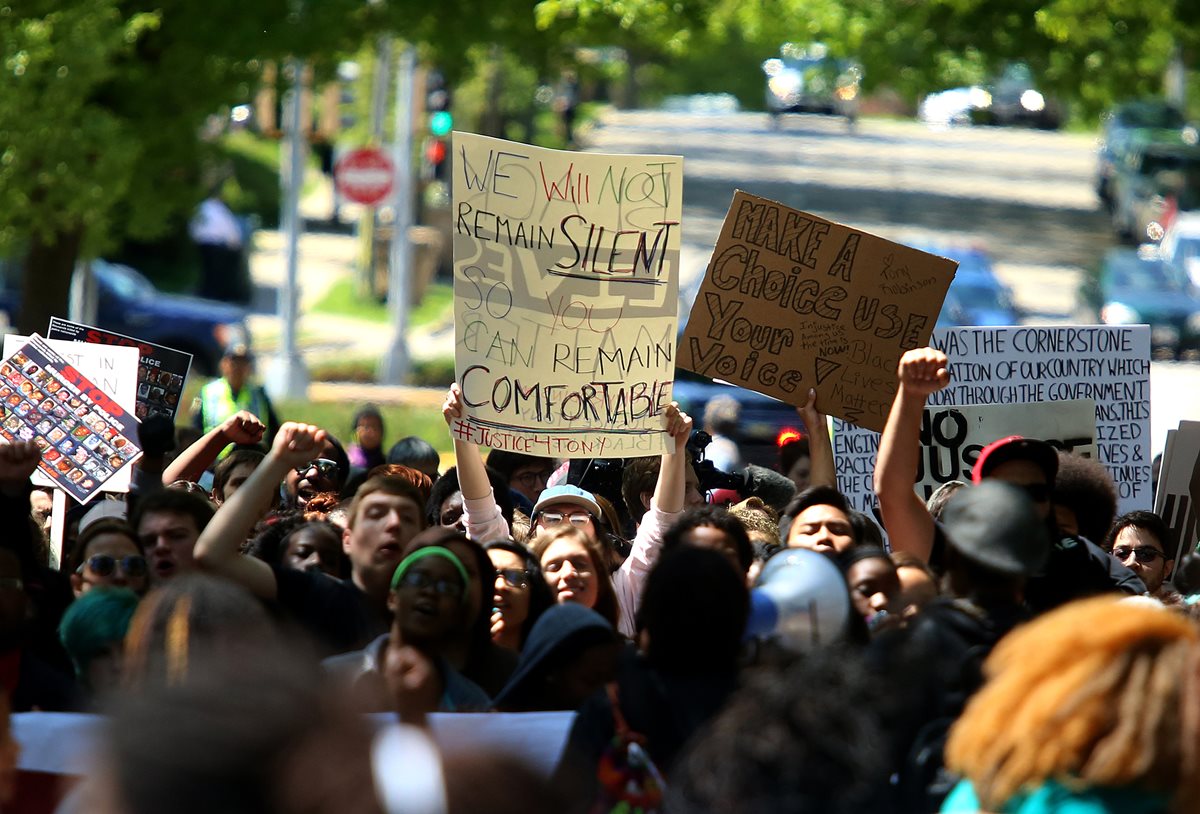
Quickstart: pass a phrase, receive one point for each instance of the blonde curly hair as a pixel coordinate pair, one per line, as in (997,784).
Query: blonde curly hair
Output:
(1100,692)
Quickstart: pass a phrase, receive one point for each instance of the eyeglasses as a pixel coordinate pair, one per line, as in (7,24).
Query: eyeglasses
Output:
(103,565)
(514,577)
(1145,555)
(325,467)
(531,479)
(1038,492)
(442,587)
(554,518)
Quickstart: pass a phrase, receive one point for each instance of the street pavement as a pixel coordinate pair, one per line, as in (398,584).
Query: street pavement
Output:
(1025,196)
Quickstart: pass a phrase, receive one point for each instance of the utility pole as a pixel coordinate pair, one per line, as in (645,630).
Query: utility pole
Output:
(396,364)
(287,377)
(368,219)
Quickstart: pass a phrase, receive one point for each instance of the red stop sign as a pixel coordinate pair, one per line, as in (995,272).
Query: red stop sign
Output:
(365,175)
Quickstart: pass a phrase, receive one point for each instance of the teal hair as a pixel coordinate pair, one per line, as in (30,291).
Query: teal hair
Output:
(95,622)
(431,551)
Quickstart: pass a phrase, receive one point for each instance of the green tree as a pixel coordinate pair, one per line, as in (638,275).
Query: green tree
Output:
(103,106)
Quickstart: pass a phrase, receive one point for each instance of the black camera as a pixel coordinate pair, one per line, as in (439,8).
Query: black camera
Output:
(706,471)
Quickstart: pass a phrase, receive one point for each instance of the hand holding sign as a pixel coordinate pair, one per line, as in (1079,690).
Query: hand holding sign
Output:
(452,407)
(679,426)
(923,371)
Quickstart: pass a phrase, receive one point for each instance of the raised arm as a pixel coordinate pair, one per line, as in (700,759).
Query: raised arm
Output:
(241,428)
(820,448)
(909,526)
(665,506)
(218,549)
(17,462)
(481,514)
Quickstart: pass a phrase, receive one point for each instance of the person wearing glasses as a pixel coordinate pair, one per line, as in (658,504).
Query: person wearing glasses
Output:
(327,472)
(520,595)
(429,599)
(1076,567)
(574,564)
(527,474)
(108,554)
(1138,541)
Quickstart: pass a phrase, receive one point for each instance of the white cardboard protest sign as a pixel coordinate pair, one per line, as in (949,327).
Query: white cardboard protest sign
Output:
(1178,498)
(566,279)
(1107,365)
(112,368)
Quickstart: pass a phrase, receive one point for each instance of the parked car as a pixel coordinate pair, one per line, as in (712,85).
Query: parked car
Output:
(1180,245)
(1120,124)
(976,295)
(1137,286)
(807,79)
(128,303)
(1156,174)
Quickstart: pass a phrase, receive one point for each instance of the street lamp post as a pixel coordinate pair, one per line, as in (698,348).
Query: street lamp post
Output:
(395,367)
(287,377)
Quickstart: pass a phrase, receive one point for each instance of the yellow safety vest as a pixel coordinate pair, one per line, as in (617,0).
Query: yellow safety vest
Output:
(217,403)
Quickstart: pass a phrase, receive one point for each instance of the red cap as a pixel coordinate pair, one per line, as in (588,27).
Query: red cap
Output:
(1016,448)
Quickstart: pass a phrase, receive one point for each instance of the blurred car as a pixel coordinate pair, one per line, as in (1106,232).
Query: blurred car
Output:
(806,79)
(976,295)
(1137,286)
(953,106)
(1016,100)
(762,417)
(128,303)
(1118,127)
(1180,245)
(1011,100)
(1158,174)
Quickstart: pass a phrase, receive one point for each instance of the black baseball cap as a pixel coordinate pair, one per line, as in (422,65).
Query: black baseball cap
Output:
(996,525)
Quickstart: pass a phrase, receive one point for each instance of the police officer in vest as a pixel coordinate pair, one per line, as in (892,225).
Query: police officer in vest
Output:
(233,392)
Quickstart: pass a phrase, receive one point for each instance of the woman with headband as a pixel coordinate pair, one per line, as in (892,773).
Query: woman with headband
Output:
(430,605)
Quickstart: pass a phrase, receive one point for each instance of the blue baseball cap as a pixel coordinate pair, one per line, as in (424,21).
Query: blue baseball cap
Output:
(567,493)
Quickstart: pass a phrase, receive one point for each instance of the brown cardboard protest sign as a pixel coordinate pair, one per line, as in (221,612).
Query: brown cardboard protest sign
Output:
(792,301)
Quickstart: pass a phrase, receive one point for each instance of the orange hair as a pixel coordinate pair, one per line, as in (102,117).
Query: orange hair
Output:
(1087,695)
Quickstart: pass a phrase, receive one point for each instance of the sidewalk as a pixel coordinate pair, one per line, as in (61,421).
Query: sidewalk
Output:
(325,259)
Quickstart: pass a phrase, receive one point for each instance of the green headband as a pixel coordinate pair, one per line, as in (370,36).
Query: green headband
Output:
(430,551)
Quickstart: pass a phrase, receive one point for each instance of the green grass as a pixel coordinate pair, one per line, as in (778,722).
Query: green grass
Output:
(398,421)
(342,299)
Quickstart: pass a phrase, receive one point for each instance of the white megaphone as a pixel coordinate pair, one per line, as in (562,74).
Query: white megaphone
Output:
(801,601)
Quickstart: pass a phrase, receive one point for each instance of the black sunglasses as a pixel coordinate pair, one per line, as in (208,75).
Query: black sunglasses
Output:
(443,587)
(103,565)
(1145,555)
(514,577)
(325,467)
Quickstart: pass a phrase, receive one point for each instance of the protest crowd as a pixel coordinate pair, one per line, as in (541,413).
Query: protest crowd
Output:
(1016,647)
(607,605)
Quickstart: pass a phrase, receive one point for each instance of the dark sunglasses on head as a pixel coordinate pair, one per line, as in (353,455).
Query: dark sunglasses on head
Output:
(419,582)
(1145,555)
(103,565)
(514,577)
(325,467)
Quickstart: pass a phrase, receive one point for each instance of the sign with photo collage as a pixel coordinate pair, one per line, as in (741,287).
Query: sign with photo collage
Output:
(161,371)
(86,438)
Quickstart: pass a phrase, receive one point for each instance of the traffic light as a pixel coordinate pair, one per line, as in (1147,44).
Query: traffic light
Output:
(437,150)
(441,123)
